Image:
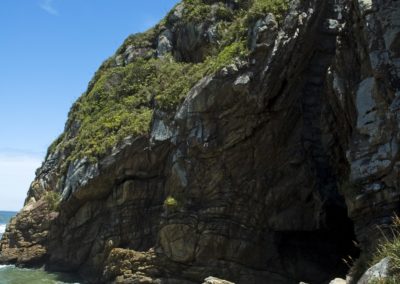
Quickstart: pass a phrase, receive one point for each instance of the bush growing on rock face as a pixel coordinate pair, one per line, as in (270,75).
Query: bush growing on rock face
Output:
(53,200)
(170,202)
(122,97)
(227,55)
(55,143)
(121,102)
(196,11)
(261,7)
(385,281)
(224,13)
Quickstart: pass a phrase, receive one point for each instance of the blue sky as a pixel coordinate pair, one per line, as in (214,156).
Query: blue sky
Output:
(49,50)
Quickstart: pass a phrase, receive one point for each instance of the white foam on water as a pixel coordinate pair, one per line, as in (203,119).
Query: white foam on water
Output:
(2,228)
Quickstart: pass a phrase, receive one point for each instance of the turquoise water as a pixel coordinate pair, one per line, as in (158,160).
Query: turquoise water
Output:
(12,275)
(5,216)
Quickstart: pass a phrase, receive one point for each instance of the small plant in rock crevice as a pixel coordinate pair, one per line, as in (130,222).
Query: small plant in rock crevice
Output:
(170,202)
(387,247)
(52,200)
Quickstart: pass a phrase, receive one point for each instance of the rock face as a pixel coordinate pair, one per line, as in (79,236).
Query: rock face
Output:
(378,272)
(27,235)
(368,68)
(257,176)
(213,280)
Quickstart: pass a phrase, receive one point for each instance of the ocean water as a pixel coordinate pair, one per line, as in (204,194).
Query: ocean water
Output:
(10,274)
(5,217)
(2,229)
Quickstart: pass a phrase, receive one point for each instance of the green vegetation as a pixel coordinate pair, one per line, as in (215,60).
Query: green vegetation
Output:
(53,200)
(223,13)
(117,106)
(143,40)
(170,202)
(358,266)
(226,56)
(196,11)
(139,40)
(55,143)
(199,11)
(389,246)
(262,7)
(120,100)
(389,280)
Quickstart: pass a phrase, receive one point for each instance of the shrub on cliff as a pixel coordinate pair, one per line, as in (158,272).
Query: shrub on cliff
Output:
(170,202)
(390,247)
(196,11)
(262,7)
(122,97)
(53,200)
(171,205)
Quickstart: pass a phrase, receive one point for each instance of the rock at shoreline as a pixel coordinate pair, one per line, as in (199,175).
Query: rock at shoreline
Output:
(253,141)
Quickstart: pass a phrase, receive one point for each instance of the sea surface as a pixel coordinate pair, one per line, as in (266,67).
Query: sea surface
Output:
(5,217)
(10,274)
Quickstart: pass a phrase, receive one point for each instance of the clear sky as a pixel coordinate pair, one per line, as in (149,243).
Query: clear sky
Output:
(49,50)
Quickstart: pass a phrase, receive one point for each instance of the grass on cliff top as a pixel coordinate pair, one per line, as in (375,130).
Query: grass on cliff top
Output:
(259,8)
(120,101)
(388,246)
(197,11)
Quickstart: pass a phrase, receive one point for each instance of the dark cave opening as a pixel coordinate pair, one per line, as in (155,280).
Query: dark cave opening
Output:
(317,257)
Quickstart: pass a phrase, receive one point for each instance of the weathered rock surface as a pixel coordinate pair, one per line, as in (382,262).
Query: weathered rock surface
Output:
(378,272)
(213,280)
(256,159)
(365,82)
(338,281)
(26,235)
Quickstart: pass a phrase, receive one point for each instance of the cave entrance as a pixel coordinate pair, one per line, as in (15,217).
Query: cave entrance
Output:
(317,257)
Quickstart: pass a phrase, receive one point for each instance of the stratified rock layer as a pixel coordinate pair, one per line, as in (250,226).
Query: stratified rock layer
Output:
(365,82)
(254,161)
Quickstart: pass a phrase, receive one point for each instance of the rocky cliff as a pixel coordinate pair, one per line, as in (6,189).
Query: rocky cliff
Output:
(249,140)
